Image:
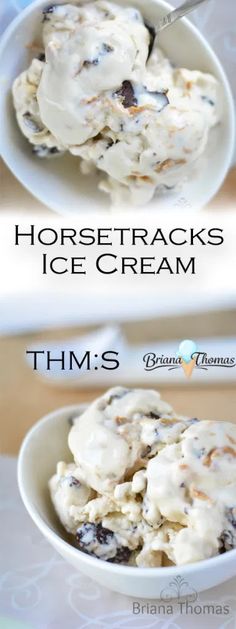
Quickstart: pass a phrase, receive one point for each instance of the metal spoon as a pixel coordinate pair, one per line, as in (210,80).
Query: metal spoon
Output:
(171,17)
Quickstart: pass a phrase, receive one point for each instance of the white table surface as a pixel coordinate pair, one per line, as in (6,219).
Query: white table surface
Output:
(38,590)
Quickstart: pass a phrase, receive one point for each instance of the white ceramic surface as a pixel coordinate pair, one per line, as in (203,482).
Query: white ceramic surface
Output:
(44,445)
(58,182)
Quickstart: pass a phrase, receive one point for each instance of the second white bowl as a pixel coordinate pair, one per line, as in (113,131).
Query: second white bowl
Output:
(44,446)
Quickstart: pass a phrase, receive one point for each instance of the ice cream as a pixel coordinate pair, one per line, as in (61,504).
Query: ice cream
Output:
(103,92)
(147,487)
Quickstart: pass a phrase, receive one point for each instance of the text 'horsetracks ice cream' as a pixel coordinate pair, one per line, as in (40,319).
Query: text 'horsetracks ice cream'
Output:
(104,93)
(147,487)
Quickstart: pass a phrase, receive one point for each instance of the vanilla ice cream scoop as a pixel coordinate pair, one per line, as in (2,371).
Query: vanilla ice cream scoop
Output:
(193,483)
(102,92)
(82,71)
(106,440)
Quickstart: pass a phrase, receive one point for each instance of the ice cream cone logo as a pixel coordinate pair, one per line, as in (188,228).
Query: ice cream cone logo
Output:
(188,367)
(186,352)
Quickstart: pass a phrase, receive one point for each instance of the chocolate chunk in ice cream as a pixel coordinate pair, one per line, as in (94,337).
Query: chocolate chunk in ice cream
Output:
(49,9)
(101,542)
(127,95)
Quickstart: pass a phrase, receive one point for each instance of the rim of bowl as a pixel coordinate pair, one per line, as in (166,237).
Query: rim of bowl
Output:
(202,41)
(185,569)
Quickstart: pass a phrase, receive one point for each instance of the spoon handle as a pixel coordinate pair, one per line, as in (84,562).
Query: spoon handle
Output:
(171,17)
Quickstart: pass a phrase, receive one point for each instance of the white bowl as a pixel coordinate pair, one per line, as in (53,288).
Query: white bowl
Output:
(43,447)
(58,183)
